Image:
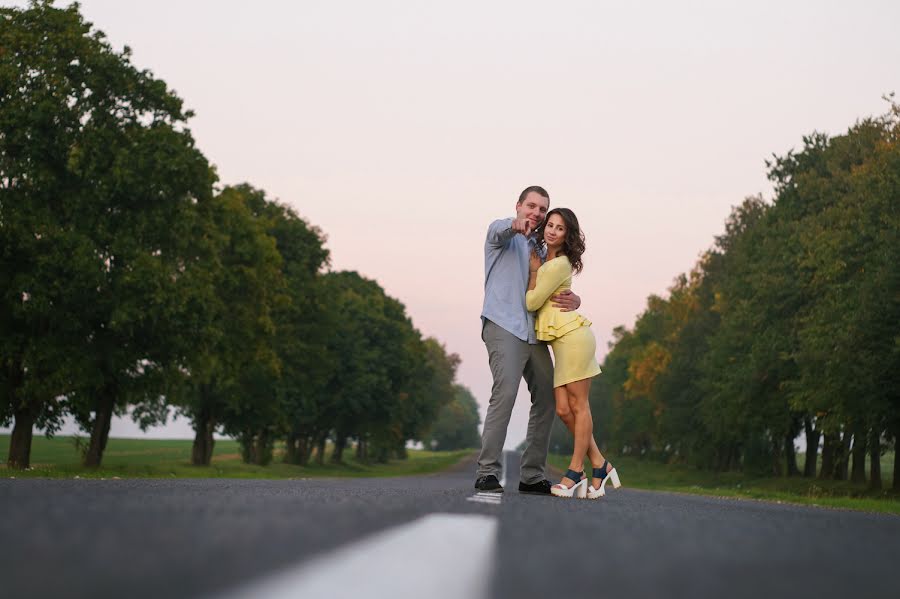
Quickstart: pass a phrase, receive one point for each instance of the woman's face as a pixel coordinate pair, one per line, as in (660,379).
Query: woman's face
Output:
(555,232)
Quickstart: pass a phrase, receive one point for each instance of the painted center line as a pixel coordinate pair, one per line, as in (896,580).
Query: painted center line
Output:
(483,497)
(438,556)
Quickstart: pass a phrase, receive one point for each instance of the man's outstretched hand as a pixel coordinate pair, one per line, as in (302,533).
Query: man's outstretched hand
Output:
(522,225)
(566,301)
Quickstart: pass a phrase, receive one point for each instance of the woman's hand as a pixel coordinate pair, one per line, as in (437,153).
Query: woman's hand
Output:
(535,261)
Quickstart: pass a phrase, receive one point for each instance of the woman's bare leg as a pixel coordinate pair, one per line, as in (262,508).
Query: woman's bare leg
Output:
(583,428)
(593,454)
(564,410)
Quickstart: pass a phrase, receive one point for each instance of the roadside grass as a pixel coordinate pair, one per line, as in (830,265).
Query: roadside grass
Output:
(60,457)
(656,476)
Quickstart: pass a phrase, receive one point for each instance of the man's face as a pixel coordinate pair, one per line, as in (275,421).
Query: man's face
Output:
(534,208)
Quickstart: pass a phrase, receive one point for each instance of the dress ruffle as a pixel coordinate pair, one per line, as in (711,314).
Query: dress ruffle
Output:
(552,323)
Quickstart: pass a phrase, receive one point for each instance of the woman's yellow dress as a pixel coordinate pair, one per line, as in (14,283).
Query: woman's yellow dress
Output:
(568,333)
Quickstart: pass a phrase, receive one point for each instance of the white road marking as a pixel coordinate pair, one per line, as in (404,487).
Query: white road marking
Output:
(439,556)
(489,495)
(480,500)
(483,497)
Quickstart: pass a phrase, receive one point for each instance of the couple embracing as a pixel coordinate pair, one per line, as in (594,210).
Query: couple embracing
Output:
(528,305)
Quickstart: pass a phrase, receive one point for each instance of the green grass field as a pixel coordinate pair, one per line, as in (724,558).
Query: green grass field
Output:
(150,458)
(652,475)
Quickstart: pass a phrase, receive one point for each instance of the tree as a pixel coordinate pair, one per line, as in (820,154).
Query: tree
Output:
(790,322)
(633,426)
(848,337)
(232,328)
(299,328)
(99,172)
(748,363)
(386,384)
(681,429)
(429,390)
(301,324)
(456,426)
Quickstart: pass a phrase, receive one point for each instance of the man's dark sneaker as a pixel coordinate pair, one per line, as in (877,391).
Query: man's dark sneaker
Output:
(490,484)
(539,488)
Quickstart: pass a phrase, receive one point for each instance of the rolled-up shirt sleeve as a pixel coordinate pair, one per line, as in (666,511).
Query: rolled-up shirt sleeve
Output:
(549,277)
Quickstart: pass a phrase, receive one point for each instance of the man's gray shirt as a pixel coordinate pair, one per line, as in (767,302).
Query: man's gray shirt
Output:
(506,258)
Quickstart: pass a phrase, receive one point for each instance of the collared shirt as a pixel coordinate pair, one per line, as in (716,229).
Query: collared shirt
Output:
(506,258)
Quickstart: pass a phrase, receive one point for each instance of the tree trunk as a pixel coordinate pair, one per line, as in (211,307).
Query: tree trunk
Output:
(842,455)
(875,452)
(337,455)
(262,448)
(259,450)
(320,451)
(812,448)
(362,453)
(100,430)
(896,464)
(777,446)
(828,456)
(858,474)
(19,456)
(20,442)
(734,458)
(290,449)
(304,450)
(790,455)
(896,469)
(382,453)
(299,447)
(402,454)
(248,449)
(842,463)
(256,447)
(201,453)
(722,457)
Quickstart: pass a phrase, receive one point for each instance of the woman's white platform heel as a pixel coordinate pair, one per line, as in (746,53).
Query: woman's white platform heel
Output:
(604,476)
(579,489)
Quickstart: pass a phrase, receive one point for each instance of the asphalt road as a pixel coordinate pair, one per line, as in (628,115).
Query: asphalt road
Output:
(205,538)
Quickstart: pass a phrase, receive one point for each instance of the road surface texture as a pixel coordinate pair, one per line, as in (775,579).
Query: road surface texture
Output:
(427,536)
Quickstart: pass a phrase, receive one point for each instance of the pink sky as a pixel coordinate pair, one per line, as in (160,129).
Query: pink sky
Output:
(403,128)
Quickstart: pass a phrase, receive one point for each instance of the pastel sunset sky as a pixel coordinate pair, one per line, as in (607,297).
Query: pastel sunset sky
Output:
(404,128)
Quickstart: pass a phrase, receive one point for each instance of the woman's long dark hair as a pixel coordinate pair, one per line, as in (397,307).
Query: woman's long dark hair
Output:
(573,244)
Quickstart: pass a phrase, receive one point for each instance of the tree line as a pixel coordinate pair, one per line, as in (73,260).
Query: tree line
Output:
(789,324)
(133,283)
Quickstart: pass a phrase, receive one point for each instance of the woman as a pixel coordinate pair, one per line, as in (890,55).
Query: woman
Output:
(573,345)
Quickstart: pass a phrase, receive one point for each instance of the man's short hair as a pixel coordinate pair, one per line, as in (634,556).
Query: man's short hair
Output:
(535,188)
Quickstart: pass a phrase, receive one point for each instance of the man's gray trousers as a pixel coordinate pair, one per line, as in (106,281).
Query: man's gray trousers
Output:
(511,359)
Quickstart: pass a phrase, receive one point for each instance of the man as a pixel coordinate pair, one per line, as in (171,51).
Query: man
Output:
(507,329)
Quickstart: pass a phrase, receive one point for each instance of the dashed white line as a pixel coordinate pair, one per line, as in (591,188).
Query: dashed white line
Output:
(483,497)
(438,556)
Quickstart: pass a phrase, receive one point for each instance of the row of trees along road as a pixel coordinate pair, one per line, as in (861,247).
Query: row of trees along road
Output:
(790,324)
(130,283)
